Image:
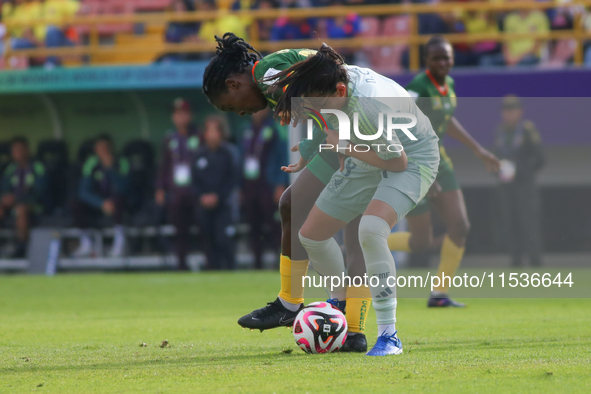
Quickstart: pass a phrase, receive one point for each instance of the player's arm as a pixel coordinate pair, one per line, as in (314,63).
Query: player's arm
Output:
(457,131)
(371,157)
(395,164)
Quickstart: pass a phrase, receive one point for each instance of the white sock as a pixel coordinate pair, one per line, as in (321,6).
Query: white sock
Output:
(85,246)
(327,259)
(118,241)
(119,234)
(289,306)
(85,240)
(386,329)
(373,237)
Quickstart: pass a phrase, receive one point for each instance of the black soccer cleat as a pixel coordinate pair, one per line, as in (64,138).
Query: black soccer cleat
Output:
(355,343)
(272,316)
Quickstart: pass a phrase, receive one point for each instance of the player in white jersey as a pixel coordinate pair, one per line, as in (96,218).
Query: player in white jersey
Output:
(382,184)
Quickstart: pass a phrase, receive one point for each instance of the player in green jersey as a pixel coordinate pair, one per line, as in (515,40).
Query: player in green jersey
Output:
(383,192)
(434,91)
(235,81)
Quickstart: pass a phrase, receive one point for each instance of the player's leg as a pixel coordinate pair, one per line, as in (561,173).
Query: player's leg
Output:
(317,237)
(22,215)
(180,204)
(418,238)
(395,196)
(358,298)
(450,206)
(374,229)
(294,206)
(224,237)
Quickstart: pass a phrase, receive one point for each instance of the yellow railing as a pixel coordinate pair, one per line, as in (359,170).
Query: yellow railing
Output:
(413,40)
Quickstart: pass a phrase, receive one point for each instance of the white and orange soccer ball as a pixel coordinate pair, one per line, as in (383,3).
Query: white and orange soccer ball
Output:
(320,328)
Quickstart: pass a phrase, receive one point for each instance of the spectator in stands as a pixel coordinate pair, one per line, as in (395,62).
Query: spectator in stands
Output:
(289,28)
(519,147)
(264,151)
(25,11)
(46,17)
(23,187)
(265,25)
(179,32)
(480,22)
(343,27)
(54,11)
(174,191)
(223,23)
(101,193)
(522,51)
(214,178)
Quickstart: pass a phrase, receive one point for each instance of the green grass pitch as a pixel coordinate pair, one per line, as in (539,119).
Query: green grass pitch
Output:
(81,333)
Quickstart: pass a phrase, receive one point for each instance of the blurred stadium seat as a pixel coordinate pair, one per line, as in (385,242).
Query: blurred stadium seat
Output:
(388,60)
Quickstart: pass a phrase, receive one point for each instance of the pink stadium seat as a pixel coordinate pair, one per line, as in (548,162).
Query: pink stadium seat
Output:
(370,27)
(103,7)
(396,26)
(150,5)
(388,59)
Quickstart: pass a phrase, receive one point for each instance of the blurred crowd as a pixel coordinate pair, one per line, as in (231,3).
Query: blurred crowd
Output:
(395,58)
(202,180)
(50,33)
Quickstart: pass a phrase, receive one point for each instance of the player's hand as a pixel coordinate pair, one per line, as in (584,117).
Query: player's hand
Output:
(434,190)
(296,167)
(209,200)
(490,161)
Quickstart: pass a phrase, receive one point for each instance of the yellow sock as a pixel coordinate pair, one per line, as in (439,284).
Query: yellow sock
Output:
(291,279)
(399,241)
(451,256)
(358,304)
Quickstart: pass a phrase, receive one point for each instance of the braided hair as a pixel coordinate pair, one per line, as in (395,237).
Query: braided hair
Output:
(317,75)
(232,56)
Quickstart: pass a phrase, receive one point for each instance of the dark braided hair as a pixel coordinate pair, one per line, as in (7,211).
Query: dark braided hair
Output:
(232,56)
(317,75)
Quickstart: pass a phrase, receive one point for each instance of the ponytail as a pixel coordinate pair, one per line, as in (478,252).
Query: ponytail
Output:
(317,75)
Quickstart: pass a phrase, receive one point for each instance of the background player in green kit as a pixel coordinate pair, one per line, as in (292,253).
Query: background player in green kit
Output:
(237,80)
(434,90)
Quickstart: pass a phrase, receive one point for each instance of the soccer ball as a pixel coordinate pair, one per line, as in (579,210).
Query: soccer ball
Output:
(320,328)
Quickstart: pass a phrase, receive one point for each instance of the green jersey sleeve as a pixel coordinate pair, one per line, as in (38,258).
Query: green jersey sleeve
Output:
(273,64)
(308,148)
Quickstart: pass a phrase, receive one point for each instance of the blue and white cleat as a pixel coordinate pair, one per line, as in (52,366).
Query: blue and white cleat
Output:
(386,345)
(340,305)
